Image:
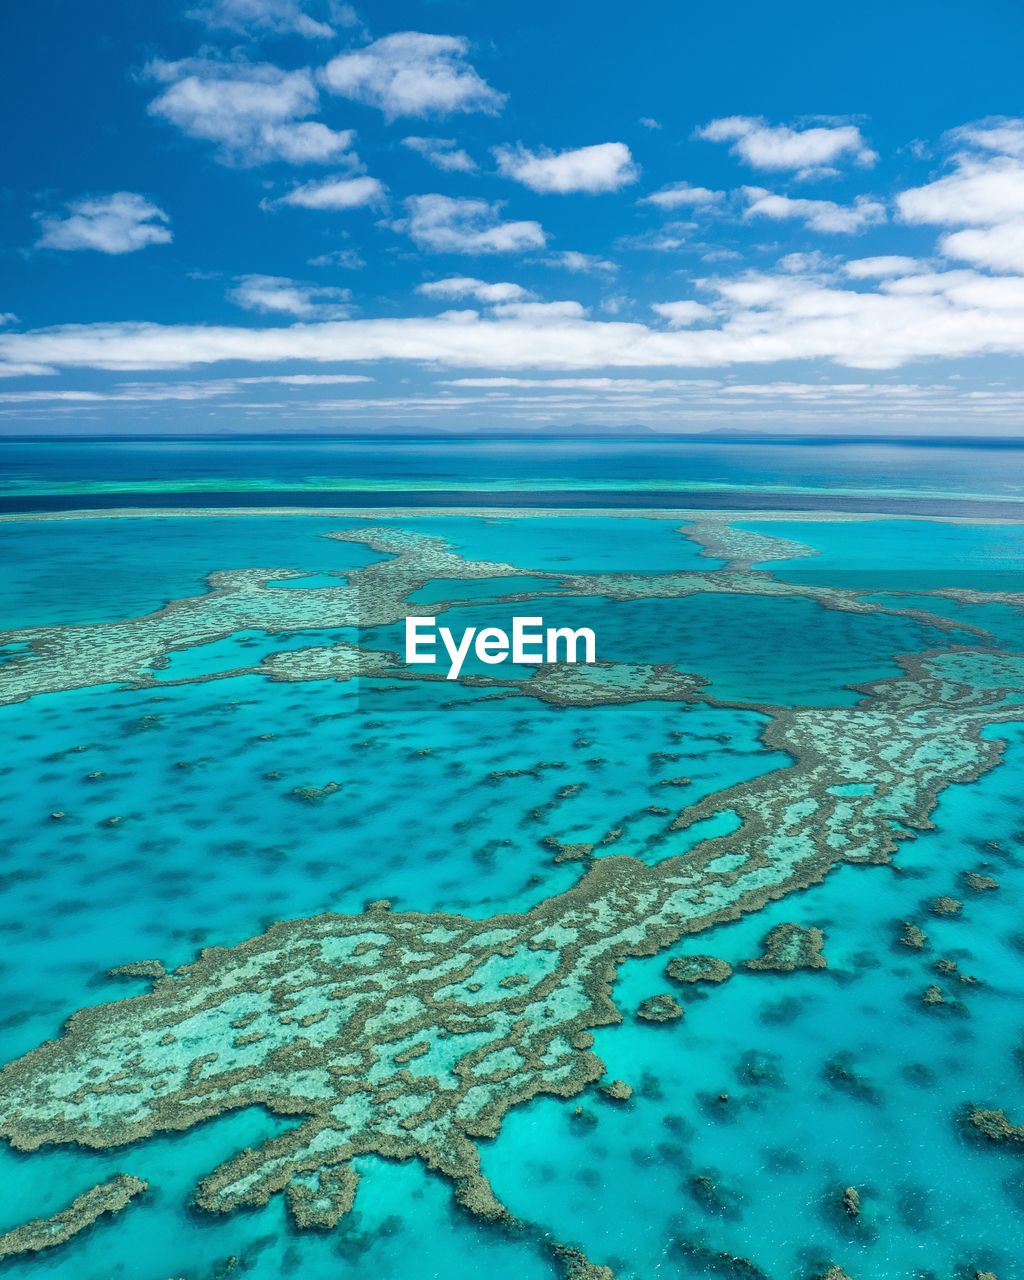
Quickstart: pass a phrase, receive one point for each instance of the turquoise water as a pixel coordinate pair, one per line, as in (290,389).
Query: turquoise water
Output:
(785,651)
(75,571)
(552,543)
(986,557)
(181,827)
(780,1148)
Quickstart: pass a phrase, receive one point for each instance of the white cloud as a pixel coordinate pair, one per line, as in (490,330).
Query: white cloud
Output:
(819,215)
(879,268)
(209,389)
(442,153)
(280,17)
(984,195)
(598,385)
(668,238)
(573,260)
(348,259)
(607,166)
(412,74)
(981,191)
(809,152)
(303,379)
(1000,248)
(334,193)
(9,370)
(813,262)
(445,224)
(119,223)
(681,314)
(469,287)
(269,294)
(998,133)
(680,195)
(541,312)
(254,112)
(649,122)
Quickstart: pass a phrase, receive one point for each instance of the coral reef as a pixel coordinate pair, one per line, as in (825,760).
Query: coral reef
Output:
(850,1200)
(698,969)
(979,882)
(660,1008)
(617,1090)
(788,947)
(913,936)
(993,1124)
(107,1198)
(138,969)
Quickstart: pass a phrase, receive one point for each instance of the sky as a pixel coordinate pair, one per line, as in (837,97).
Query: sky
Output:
(444,215)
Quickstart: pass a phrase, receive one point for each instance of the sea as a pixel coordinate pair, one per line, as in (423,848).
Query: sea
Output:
(179,829)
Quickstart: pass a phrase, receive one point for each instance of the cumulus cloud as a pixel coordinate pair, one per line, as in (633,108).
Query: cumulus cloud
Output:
(583,263)
(819,215)
(813,262)
(809,152)
(1001,134)
(348,259)
(608,166)
(680,314)
(442,153)
(119,223)
(446,224)
(270,294)
(334,193)
(254,112)
(469,287)
(679,195)
(311,18)
(981,191)
(984,195)
(878,268)
(999,248)
(412,74)
(541,312)
(668,238)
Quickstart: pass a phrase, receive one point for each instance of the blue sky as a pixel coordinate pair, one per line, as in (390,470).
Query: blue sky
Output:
(298,215)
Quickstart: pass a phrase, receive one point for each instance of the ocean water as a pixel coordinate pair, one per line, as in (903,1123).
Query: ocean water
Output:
(791,474)
(184,825)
